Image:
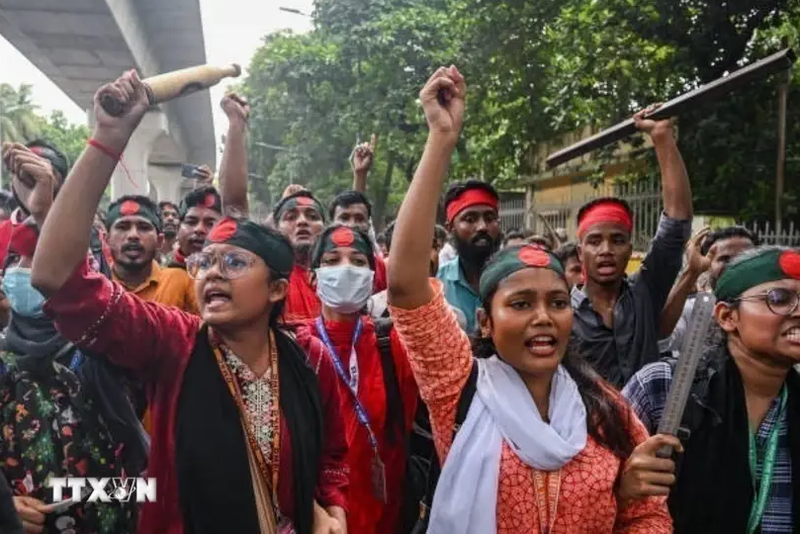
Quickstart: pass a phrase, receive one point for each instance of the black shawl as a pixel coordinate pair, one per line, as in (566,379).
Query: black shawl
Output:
(713,493)
(214,479)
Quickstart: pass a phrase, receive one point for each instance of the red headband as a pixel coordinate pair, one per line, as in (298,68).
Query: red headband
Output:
(470,197)
(605,212)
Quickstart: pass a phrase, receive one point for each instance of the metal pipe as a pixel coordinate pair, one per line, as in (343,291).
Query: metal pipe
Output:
(777,62)
(783,93)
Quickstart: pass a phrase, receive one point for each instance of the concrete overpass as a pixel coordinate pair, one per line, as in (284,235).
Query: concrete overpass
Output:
(81,44)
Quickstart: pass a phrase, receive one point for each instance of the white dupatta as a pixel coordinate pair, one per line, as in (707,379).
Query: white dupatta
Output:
(465,501)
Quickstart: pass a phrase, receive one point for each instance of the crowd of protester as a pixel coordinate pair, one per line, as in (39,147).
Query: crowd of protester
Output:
(309,376)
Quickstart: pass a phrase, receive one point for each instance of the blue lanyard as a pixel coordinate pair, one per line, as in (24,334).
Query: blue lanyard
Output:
(361,413)
(77,360)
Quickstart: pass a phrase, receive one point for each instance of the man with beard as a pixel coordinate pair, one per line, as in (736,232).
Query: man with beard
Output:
(474,226)
(299,217)
(617,319)
(134,236)
(707,252)
(171,221)
(199,211)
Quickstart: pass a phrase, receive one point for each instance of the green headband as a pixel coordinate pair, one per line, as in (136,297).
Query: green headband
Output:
(270,247)
(767,266)
(129,208)
(513,259)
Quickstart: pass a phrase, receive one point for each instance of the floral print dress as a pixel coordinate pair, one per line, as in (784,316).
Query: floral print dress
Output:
(50,429)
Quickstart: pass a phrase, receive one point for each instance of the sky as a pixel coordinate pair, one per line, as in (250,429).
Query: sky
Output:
(233,31)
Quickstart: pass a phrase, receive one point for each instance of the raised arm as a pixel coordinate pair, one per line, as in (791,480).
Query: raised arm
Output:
(233,171)
(443,99)
(363,157)
(676,191)
(65,236)
(696,265)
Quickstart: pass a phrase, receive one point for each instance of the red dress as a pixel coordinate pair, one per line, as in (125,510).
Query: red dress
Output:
(157,343)
(367,514)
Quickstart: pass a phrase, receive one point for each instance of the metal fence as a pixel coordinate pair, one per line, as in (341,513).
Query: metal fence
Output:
(644,198)
(512,213)
(769,235)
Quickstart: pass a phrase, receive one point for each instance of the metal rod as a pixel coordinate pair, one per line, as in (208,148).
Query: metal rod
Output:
(783,92)
(777,62)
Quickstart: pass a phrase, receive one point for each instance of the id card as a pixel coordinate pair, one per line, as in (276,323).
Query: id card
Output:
(379,479)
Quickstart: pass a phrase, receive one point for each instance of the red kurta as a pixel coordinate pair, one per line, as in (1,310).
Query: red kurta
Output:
(157,343)
(368,515)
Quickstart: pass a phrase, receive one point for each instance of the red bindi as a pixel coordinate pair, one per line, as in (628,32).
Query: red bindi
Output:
(790,263)
(223,230)
(534,256)
(129,207)
(342,237)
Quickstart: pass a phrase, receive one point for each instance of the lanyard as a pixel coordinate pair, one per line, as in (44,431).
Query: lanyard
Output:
(762,490)
(352,381)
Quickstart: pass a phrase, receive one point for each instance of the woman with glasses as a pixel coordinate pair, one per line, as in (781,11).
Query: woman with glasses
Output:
(247,435)
(740,471)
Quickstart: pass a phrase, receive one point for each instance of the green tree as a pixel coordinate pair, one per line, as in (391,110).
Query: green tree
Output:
(68,138)
(534,70)
(18,119)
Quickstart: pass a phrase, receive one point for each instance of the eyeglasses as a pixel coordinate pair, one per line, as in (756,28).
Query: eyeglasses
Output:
(231,264)
(780,301)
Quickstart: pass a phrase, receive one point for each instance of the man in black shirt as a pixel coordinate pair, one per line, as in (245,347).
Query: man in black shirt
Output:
(617,318)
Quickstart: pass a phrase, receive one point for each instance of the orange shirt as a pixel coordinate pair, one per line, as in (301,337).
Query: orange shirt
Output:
(441,357)
(167,286)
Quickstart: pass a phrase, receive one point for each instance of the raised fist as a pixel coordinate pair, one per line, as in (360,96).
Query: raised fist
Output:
(236,108)
(127,96)
(444,99)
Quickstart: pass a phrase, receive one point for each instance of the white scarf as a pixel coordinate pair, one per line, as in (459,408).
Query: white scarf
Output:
(465,501)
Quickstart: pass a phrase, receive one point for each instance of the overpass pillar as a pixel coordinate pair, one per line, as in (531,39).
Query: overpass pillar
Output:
(137,157)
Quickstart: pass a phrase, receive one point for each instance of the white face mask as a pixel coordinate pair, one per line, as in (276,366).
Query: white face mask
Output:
(344,288)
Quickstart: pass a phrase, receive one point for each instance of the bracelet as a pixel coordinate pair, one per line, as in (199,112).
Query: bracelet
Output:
(104,149)
(113,155)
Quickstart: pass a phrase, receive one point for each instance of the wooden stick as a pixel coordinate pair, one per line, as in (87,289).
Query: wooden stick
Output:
(777,62)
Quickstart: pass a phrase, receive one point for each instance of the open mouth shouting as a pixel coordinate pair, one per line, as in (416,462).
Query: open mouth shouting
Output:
(215,298)
(793,335)
(133,251)
(606,267)
(541,345)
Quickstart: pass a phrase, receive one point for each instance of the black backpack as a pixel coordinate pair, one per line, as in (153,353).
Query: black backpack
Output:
(422,462)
